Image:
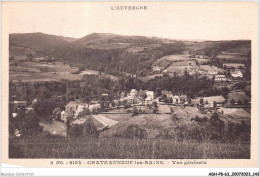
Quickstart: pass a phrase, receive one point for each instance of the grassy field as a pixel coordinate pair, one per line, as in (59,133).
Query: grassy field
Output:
(237,114)
(232,57)
(201,60)
(32,72)
(116,148)
(209,68)
(165,61)
(145,79)
(179,67)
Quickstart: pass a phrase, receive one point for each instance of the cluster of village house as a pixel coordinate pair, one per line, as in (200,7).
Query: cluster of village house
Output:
(235,72)
(234,68)
(134,97)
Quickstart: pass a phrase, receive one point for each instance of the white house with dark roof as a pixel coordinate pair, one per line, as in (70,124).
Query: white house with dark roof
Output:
(150,94)
(176,99)
(237,74)
(220,78)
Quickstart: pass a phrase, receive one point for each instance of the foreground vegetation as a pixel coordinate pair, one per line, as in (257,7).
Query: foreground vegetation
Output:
(121,148)
(83,141)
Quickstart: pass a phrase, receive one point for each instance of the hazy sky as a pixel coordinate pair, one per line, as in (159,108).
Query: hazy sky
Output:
(213,21)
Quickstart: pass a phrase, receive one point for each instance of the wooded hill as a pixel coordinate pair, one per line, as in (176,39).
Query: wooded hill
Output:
(115,53)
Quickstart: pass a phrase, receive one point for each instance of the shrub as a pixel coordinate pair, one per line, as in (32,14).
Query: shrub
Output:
(134,111)
(214,116)
(87,129)
(174,117)
(15,150)
(132,132)
(44,108)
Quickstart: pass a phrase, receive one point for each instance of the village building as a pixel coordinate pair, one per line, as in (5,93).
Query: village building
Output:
(14,114)
(212,73)
(18,105)
(214,101)
(168,94)
(128,99)
(183,98)
(176,99)
(148,101)
(220,78)
(236,74)
(62,115)
(76,107)
(131,100)
(80,108)
(132,97)
(150,94)
(94,107)
(72,106)
(133,93)
(197,101)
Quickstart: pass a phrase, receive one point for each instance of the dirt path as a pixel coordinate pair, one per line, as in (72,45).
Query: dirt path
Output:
(105,121)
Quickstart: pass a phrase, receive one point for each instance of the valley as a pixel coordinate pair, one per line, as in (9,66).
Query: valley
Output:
(114,93)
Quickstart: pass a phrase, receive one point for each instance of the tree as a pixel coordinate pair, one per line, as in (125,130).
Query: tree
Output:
(201,101)
(87,129)
(144,96)
(246,102)
(225,92)
(228,74)
(164,96)
(214,116)
(165,74)
(186,73)
(44,108)
(155,107)
(239,102)
(133,132)
(26,124)
(155,104)
(213,80)
(158,91)
(113,104)
(134,111)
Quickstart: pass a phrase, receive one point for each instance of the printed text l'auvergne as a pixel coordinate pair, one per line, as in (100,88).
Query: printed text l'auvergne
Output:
(129,8)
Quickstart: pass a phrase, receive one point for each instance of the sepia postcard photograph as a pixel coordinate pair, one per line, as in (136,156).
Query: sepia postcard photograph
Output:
(130,84)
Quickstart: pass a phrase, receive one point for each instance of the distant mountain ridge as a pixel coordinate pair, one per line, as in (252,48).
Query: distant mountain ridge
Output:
(116,53)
